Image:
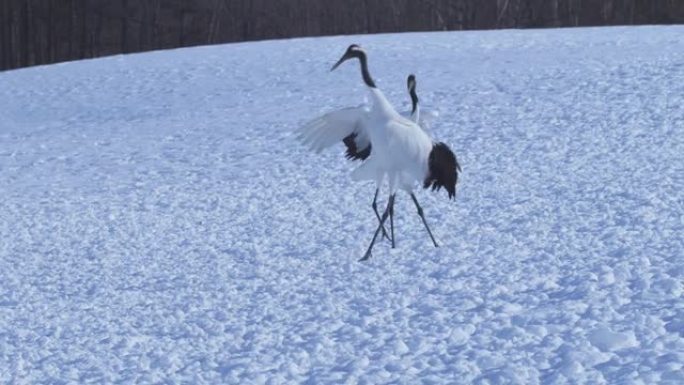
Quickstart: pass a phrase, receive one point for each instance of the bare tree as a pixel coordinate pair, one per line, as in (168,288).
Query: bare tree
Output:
(46,31)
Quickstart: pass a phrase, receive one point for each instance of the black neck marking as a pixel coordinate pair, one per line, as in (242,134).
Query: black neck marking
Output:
(411,84)
(414,99)
(364,68)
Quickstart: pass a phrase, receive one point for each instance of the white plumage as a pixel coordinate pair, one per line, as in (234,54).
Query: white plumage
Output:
(334,126)
(398,145)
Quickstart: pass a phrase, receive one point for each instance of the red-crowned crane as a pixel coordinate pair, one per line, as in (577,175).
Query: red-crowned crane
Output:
(391,145)
(357,143)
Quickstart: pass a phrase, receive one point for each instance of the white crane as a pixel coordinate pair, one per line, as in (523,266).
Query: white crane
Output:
(357,141)
(399,148)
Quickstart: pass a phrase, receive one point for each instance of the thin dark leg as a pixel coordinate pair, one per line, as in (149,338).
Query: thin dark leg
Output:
(420,212)
(391,215)
(375,208)
(377,231)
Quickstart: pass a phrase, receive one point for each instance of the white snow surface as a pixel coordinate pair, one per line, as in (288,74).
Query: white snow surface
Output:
(159,222)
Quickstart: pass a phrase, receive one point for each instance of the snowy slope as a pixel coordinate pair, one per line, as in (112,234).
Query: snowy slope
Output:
(160,223)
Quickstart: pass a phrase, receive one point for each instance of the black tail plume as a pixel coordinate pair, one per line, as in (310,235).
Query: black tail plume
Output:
(443,169)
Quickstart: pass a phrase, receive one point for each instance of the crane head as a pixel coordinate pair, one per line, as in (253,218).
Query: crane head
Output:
(411,82)
(354,51)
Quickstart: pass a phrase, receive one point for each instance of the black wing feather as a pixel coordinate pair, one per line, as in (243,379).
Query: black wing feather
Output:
(443,169)
(353,153)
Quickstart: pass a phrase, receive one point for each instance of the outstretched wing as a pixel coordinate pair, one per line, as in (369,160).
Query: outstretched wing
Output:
(343,125)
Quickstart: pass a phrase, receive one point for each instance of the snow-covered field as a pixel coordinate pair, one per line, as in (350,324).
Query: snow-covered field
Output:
(159,223)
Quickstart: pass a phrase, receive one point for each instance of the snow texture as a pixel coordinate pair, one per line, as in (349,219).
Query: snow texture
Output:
(159,223)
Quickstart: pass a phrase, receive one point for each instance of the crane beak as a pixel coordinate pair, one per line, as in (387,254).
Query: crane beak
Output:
(342,60)
(337,64)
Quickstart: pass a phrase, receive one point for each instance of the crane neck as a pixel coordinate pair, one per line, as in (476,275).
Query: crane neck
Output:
(414,100)
(380,103)
(364,69)
(415,115)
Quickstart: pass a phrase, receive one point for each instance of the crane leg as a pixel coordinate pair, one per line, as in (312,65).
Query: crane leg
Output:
(420,212)
(377,231)
(375,209)
(391,216)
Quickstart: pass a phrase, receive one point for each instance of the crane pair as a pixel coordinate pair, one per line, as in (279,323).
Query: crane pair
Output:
(390,145)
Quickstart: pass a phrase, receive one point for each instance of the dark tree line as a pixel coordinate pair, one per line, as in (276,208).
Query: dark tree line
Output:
(47,31)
